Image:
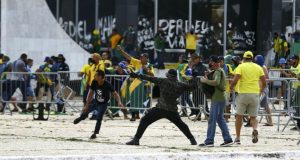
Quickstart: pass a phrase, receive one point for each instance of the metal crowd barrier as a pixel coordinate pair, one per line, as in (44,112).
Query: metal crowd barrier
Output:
(67,88)
(134,98)
(278,99)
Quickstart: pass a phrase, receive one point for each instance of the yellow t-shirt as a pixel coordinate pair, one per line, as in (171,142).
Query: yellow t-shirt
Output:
(115,39)
(137,64)
(250,76)
(86,70)
(191,41)
(93,70)
(296,70)
(230,72)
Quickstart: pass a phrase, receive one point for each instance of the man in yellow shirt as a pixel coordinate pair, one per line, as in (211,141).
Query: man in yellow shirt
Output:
(296,85)
(84,73)
(139,93)
(277,47)
(248,74)
(191,42)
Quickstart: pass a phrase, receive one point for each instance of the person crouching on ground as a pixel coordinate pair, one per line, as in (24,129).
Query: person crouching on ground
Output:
(170,91)
(101,89)
(218,103)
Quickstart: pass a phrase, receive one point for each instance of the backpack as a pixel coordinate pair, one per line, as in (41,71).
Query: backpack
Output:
(209,90)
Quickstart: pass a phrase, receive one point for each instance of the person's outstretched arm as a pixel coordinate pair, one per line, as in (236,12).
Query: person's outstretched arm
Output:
(125,54)
(146,78)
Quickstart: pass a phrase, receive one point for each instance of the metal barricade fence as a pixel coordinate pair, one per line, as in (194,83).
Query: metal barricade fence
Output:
(194,100)
(294,107)
(27,89)
(136,95)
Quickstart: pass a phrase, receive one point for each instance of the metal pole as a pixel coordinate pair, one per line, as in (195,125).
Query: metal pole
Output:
(294,16)
(96,13)
(190,14)
(225,28)
(57,9)
(155,15)
(76,19)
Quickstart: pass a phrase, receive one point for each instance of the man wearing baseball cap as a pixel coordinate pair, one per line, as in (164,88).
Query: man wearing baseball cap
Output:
(248,74)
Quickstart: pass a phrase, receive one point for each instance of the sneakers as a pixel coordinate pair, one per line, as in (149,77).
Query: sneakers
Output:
(134,141)
(193,141)
(227,143)
(254,136)
(237,141)
(93,136)
(77,120)
(247,125)
(206,145)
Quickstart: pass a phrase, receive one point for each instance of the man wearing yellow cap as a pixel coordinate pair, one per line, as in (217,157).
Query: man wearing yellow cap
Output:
(98,65)
(248,74)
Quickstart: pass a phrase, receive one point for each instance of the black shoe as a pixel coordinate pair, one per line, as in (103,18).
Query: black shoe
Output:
(134,141)
(93,136)
(254,136)
(206,145)
(295,128)
(77,120)
(193,141)
(132,119)
(227,143)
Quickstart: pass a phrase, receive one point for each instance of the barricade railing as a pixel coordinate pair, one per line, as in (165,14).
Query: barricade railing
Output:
(135,94)
(66,89)
(279,103)
(294,107)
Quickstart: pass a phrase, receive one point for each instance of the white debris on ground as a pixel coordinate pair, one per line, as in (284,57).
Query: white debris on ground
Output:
(21,136)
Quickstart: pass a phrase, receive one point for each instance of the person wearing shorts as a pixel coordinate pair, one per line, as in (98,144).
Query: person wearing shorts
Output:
(248,74)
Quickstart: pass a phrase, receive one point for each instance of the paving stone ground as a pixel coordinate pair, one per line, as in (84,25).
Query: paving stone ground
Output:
(21,136)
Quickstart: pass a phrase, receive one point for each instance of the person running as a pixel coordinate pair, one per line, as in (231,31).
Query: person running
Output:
(170,90)
(101,89)
(218,103)
(248,74)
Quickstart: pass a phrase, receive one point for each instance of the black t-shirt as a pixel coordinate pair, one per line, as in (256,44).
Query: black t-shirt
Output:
(102,93)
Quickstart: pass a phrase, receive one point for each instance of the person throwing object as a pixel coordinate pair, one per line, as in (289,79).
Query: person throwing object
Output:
(170,90)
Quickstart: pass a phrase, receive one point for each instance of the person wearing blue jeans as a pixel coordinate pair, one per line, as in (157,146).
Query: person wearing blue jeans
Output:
(99,93)
(218,102)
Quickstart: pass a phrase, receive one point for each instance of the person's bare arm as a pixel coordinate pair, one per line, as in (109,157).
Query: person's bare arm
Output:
(263,83)
(118,99)
(88,101)
(234,81)
(125,54)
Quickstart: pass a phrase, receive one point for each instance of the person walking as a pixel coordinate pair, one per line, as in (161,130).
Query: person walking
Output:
(218,103)
(249,75)
(170,90)
(99,92)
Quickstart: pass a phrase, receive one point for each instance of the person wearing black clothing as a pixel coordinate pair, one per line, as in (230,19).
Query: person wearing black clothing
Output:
(170,90)
(198,69)
(101,89)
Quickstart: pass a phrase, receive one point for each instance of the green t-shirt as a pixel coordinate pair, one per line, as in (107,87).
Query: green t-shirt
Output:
(219,93)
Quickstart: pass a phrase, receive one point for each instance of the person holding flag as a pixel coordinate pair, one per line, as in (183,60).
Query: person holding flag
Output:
(138,89)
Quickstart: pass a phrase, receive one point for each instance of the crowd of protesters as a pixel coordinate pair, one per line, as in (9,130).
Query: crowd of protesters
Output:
(123,59)
(16,77)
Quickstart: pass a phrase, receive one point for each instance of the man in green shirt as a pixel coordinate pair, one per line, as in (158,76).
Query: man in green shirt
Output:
(218,102)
